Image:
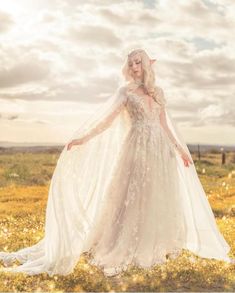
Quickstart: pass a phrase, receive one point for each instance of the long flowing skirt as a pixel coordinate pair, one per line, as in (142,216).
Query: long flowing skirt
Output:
(142,218)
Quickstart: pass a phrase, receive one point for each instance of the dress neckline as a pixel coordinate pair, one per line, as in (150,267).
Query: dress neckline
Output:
(150,109)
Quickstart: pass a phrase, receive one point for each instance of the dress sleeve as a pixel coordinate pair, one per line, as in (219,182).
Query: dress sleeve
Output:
(163,121)
(108,118)
(160,97)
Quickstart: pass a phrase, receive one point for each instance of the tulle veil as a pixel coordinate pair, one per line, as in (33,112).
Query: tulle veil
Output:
(77,191)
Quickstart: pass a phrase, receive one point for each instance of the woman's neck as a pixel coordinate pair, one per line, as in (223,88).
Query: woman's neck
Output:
(138,81)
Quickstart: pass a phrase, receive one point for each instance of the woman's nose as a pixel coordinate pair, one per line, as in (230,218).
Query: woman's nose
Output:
(134,66)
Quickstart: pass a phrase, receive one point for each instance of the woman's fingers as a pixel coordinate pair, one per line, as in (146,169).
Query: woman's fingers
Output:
(75,142)
(187,160)
(69,146)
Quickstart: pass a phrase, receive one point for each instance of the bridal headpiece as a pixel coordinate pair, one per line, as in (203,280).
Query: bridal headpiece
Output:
(133,52)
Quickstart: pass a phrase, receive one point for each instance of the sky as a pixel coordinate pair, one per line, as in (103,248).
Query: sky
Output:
(58,55)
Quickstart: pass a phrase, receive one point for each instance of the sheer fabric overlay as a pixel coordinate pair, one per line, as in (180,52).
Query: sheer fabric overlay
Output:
(125,196)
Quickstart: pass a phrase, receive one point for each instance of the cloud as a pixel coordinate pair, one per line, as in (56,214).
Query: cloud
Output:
(22,73)
(133,17)
(95,35)
(79,49)
(114,17)
(12,117)
(9,117)
(6,22)
(217,115)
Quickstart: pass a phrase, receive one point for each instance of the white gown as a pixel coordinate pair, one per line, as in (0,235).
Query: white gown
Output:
(125,196)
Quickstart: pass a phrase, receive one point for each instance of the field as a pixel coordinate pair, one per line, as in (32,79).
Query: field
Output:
(24,185)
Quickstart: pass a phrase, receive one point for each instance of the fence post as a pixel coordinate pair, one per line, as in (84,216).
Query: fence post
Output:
(223,156)
(198,151)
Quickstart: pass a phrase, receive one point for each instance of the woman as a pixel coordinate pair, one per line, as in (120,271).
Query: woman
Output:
(124,189)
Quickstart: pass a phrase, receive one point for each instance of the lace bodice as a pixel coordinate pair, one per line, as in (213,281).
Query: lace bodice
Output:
(140,111)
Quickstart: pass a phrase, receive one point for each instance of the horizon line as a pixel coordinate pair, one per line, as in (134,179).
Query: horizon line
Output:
(62,143)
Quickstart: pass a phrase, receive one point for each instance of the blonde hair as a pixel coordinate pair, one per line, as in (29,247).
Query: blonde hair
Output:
(148,73)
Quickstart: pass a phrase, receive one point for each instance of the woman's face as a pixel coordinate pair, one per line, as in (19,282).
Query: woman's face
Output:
(135,65)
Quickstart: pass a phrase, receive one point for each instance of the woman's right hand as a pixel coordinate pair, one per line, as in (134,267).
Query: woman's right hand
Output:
(75,142)
(186,159)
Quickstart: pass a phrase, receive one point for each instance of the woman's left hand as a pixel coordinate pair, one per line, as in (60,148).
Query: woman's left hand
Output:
(186,159)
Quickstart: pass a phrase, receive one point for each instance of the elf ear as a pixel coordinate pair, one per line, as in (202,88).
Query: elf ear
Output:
(152,61)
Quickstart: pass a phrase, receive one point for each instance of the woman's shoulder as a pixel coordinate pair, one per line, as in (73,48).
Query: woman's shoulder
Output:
(122,90)
(122,87)
(159,95)
(159,90)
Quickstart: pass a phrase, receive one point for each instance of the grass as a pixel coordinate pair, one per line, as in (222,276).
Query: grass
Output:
(24,186)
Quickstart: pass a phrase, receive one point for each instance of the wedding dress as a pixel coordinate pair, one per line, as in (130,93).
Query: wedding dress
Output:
(124,196)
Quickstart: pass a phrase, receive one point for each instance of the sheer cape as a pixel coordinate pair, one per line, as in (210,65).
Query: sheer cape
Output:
(77,191)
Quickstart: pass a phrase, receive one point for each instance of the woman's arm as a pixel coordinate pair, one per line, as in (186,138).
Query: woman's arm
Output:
(163,121)
(164,125)
(104,124)
(100,127)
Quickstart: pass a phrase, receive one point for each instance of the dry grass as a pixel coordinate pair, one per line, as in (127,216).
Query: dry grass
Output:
(23,201)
